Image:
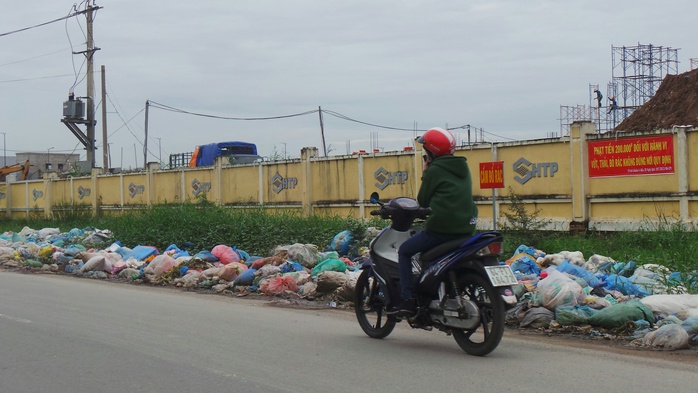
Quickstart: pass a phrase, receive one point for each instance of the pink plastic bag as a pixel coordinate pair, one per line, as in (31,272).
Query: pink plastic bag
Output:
(159,265)
(280,284)
(225,254)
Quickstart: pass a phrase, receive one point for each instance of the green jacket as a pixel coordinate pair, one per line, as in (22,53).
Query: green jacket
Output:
(447,189)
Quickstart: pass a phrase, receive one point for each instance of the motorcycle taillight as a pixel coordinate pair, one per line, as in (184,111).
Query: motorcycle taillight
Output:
(490,249)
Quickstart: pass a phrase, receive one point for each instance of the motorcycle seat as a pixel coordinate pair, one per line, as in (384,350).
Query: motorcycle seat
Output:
(444,248)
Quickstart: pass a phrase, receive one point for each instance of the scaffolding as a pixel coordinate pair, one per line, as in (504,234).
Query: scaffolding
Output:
(637,73)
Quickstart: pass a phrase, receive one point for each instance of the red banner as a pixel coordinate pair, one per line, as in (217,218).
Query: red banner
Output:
(492,174)
(632,156)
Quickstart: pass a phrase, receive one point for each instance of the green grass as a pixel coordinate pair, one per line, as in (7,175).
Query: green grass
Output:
(255,231)
(258,232)
(674,249)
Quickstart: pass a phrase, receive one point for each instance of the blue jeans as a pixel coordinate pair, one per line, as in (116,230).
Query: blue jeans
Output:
(420,242)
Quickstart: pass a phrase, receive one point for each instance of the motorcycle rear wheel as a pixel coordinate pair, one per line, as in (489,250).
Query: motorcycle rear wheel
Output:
(485,337)
(370,307)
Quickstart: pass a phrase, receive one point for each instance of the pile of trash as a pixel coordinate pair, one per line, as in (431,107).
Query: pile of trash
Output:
(599,297)
(596,297)
(295,270)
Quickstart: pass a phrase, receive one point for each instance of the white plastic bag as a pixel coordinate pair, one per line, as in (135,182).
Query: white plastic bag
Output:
(668,337)
(559,290)
(665,305)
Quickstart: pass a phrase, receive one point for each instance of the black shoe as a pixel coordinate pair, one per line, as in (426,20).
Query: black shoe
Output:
(405,309)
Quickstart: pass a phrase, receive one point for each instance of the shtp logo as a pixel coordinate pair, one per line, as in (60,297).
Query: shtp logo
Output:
(386,178)
(527,170)
(280,183)
(199,187)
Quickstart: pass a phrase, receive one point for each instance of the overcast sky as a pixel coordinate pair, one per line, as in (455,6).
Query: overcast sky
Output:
(502,65)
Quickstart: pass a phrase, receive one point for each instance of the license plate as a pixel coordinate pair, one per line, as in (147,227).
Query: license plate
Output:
(501,275)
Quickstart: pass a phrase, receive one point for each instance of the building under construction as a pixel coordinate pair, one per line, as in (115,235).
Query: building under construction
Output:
(637,72)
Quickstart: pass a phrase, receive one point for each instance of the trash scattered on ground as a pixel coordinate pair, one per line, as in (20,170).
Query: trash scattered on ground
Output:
(646,305)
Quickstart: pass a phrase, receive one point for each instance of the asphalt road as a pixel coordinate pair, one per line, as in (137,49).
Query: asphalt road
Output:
(65,334)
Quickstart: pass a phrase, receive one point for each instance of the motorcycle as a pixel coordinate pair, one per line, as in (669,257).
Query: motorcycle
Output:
(460,287)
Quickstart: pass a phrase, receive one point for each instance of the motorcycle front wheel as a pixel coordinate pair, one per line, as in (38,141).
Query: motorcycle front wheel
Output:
(370,307)
(487,334)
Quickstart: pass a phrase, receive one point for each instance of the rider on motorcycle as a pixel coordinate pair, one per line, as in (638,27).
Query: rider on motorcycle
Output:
(446,189)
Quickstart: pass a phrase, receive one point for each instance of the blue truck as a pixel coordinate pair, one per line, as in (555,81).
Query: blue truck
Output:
(237,153)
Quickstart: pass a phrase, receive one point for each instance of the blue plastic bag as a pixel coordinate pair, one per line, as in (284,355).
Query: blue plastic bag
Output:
(525,265)
(341,242)
(291,266)
(245,278)
(244,256)
(589,277)
(141,253)
(524,249)
(622,284)
(206,256)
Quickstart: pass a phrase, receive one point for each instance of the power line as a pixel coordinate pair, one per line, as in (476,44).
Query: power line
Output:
(329,112)
(173,109)
(33,79)
(32,58)
(43,24)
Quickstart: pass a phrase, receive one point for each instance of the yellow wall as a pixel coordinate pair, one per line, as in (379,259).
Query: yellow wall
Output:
(335,179)
(240,185)
(548,175)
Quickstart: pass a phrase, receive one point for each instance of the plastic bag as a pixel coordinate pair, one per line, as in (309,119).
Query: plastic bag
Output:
(690,325)
(589,277)
(665,305)
(329,281)
(245,278)
(537,317)
(206,256)
(668,337)
(573,315)
(341,242)
(231,271)
(225,254)
(559,290)
(329,265)
(142,253)
(621,313)
(159,265)
(274,261)
(290,266)
(525,264)
(623,284)
(97,263)
(279,285)
(305,254)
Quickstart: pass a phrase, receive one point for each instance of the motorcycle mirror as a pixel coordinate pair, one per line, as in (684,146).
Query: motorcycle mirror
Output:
(374,197)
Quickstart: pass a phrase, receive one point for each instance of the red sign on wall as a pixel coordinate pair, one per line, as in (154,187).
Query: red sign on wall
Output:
(492,174)
(631,156)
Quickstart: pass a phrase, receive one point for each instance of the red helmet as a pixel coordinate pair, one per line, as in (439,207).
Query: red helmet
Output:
(438,141)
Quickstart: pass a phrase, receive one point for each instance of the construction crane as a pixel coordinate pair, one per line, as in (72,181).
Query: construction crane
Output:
(6,170)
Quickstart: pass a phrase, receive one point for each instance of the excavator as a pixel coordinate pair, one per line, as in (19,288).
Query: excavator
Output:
(6,170)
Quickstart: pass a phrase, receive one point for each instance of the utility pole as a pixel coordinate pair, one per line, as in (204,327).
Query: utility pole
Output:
(145,142)
(74,108)
(105,145)
(90,86)
(322,131)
